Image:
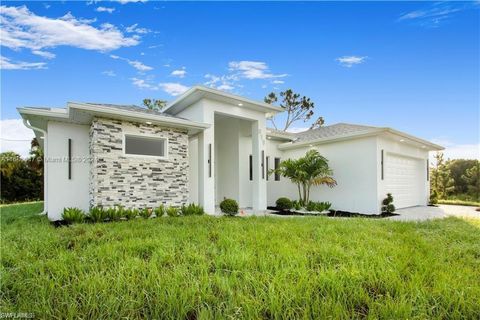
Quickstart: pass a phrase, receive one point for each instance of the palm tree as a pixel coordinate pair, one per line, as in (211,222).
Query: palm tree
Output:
(310,170)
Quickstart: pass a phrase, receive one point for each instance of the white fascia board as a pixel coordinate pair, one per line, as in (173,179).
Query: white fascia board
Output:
(25,112)
(248,103)
(136,116)
(429,145)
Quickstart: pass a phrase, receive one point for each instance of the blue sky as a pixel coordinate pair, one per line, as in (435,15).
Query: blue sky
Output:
(413,66)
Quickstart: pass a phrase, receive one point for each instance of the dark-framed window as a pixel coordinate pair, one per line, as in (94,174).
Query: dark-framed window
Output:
(276,166)
(267,165)
(381,163)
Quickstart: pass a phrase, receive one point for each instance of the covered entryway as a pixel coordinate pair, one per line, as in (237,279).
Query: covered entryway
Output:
(405,177)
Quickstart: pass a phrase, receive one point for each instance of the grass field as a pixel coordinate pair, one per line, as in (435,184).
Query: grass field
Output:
(203,267)
(460,202)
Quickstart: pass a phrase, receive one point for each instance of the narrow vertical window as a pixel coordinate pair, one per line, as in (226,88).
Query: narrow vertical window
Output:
(69,159)
(263,164)
(250,163)
(428,171)
(276,166)
(381,163)
(267,165)
(209,160)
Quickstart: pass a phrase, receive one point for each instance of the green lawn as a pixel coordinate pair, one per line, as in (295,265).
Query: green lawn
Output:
(202,267)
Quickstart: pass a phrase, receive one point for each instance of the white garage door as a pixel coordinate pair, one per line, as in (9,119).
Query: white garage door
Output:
(405,180)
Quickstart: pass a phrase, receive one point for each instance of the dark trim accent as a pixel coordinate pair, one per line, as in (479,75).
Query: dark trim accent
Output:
(250,162)
(276,166)
(209,161)
(381,162)
(263,164)
(69,159)
(428,170)
(267,165)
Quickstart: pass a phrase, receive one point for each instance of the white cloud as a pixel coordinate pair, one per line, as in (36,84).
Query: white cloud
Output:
(179,73)
(143,84)
(21,28)
(349,61)
(457,151)
(225,87)
(225,82)
(15,137)
(173,89)
(44,54)
(134,63)
(135,29)
(297,129)
(7,64)
(105,9)
(130,1)
(433,14)
(278,81)
(109,73)
(253,70)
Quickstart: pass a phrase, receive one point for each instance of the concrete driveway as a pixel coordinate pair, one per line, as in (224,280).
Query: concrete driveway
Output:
(442,211)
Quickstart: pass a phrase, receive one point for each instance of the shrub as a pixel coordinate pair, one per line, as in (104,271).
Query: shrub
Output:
(229,207)
(327,205)
(114,214)
(296,205)
(160,211)
(146,213)
(191,209)
(172,212)
(433,197)
(97,214)
(311,206)
(73,215)
(284,203)
(130,214)
(388,206)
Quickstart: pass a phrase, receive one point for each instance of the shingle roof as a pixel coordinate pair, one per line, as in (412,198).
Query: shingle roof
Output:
(326,132)
(134,108)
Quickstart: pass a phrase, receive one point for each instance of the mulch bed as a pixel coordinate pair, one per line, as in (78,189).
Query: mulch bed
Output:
(333,214)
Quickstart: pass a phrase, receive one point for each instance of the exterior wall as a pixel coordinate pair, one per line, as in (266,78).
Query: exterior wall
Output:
(136,181)
(204,111)
(354,167)
(392,146)
(64,192)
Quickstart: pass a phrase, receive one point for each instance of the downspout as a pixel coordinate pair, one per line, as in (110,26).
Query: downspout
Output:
(45,167)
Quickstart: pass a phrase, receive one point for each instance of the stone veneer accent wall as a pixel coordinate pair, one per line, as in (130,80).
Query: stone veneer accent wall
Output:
(136,182)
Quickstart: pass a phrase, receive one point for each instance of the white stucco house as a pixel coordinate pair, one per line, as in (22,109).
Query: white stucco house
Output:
(208,145)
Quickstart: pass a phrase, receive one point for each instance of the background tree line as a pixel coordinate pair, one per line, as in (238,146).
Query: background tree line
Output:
(21,179)
(456,179)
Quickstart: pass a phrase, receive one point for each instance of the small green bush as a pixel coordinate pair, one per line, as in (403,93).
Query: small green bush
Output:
(97,214)
(191,209)
(296,205)
(146,213)
(159,211)
(130,214)
(433,197)
(327,205)
(284,203)
(73,215)
(229,207)
(172,212)
(114,213)
(388,206)
(311,206)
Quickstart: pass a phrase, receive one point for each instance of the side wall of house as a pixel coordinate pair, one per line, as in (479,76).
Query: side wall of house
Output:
(64,191)
(354,166)
(136,181)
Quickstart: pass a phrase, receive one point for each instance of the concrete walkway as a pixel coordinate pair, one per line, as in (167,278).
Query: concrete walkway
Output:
(442,211)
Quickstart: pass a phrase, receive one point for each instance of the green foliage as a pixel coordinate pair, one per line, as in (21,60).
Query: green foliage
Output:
(97,214)
(159,211)
(458,202)
(298,108)
(114,213)
(307,171)
(296,205)
(73,215)
(229,207)
(146,213)
(173,212)
(154,104)
(130,214)
(433,197)
(22,180)
(191,209)
(284,203)
(388,206)
(311,206)
(210,268)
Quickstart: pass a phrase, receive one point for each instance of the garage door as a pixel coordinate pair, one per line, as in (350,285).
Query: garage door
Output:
(405,180)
